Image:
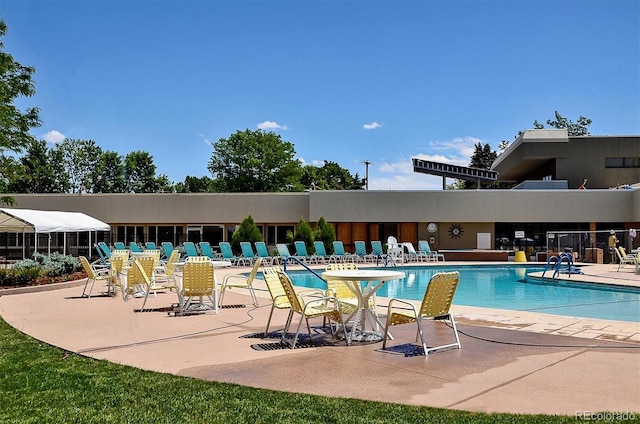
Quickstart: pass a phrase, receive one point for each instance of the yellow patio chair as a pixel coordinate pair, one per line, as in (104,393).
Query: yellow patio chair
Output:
(279,298)
(116,265)
(436,305)
(625,258)
(326,306)
(198,281)
(197,259)
(241,281)
(93,275)
(167,272)
(136,283)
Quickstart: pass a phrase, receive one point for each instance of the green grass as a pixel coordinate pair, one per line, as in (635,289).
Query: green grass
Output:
(40,383)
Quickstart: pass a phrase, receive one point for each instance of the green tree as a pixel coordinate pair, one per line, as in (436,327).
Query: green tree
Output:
(109,174)
(195,185)
(254,161)
(15,82)
(330,176)
(581,127)
(247,231)
(140,173)
(325,233)
(79,158)
(303,232)
(38,174)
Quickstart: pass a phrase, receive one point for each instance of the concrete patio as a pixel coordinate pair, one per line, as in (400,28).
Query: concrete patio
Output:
(509,362)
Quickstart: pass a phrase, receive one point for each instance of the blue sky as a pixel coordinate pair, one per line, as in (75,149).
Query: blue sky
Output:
(344,81)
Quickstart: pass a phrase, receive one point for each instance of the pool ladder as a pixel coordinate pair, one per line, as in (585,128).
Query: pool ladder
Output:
(555,262)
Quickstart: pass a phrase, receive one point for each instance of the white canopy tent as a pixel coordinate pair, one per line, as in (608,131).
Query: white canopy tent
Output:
(36,221)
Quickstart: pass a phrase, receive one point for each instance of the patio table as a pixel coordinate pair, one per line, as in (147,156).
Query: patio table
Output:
(374,280)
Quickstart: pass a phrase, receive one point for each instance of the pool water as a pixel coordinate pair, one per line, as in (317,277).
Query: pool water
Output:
(505,287)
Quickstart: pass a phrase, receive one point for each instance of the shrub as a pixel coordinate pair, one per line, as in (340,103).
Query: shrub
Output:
(304,232)
(247,231)
(41,269)
(325,233)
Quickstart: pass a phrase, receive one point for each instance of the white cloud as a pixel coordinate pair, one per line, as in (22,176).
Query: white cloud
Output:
(271,125)
(54,136)
(371,126)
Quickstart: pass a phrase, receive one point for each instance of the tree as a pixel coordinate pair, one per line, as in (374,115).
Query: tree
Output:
(109,174)
(304,232)
(254,161)
(79,158)
(482,158)
(325,233)
(247,231)
(195,185)
(37,173)
(573,128)
(15,82)
(140,173)
(330,176)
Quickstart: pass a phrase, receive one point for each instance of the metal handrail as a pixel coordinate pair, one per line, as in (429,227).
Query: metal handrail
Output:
(303,264)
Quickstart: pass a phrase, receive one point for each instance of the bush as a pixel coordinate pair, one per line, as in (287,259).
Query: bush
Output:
(247,231)
(41,269)
(304,232)
(325,233)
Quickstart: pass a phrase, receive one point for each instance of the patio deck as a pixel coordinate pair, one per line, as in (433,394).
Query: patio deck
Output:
(509,362)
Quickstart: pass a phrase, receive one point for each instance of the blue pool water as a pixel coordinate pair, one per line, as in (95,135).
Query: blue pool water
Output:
(505,287)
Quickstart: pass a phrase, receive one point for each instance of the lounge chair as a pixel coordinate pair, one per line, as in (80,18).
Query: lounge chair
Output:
(321,252)
(190,249)
(150,245)
(424,247)
(105,249)
(339,254)
(248,255)
(377,252)
(412,255)
(227,253)
(263,252)
(241,281)
(206,250)
(93,275)
(104,261)
(167,247)
(119,245)
(135,247)
(327,306)
(301,252)
(361,254)
(435,305)
(283,251)
(625,258)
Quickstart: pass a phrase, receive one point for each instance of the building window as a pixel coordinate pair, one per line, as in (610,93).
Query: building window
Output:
(622,162)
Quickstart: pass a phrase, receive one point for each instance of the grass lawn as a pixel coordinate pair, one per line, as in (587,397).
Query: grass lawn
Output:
(40,383)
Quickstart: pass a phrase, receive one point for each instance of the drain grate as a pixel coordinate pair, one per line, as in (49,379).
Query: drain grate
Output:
(408,350)
(232,306)
(301,344)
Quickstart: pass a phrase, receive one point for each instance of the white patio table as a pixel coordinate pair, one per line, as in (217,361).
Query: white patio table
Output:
(374,279)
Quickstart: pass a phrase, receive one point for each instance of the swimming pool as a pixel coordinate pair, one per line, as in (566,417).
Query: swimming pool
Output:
(505,287)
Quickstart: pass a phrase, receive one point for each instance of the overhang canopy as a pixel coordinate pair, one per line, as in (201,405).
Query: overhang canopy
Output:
(36,221)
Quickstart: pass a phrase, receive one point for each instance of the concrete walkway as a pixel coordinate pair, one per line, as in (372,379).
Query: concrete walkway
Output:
(510,361)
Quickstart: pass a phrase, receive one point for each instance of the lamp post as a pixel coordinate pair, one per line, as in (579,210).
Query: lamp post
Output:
(366,173)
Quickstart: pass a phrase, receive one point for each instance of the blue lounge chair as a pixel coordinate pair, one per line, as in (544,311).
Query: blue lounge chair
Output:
(190,249)
(301,252)
(150,245)
(227,253)
(283,251)
(321,252)
(263,252)
(135,247)
(105,249)
(248,255)
(167,247)
(119,245)
(377,252)
(423,246)
(206,250)
(339,254)
(361,252)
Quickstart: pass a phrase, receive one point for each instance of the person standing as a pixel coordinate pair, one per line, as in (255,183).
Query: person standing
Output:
(613,241)
(632,235)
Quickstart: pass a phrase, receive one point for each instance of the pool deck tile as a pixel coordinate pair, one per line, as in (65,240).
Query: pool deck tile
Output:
(510,361)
